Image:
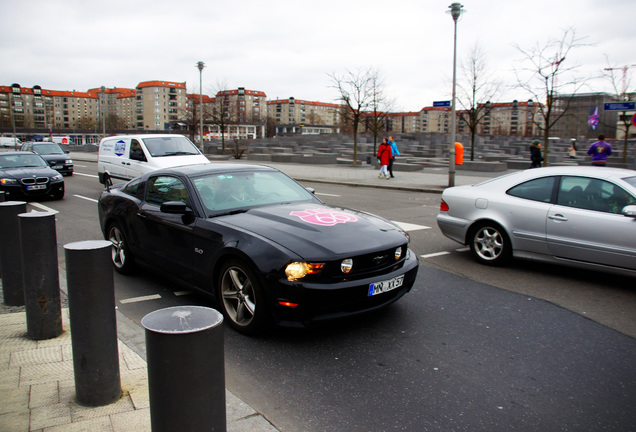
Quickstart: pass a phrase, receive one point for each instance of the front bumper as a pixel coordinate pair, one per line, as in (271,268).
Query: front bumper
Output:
(319,301)
(13,192)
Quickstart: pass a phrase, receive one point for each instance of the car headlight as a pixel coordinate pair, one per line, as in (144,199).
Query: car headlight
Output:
(346,265)
(56,177)
(8,181)
(298,270)
(68,161)
(398,253)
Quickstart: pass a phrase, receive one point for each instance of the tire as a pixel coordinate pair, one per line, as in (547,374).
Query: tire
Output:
(241,298)
(490,244)
(120,253)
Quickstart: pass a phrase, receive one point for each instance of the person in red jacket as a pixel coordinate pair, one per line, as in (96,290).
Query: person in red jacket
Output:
(384,156)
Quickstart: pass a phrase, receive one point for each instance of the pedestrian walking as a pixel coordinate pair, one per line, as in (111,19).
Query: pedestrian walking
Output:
(599,151)
(572,149)
(535,154)
(384,156)
(395,152)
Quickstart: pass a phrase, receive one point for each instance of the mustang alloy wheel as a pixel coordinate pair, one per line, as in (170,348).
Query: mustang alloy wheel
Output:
(241,298)
(120,255)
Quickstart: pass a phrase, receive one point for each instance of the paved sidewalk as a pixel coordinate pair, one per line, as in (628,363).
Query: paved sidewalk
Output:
(37,390)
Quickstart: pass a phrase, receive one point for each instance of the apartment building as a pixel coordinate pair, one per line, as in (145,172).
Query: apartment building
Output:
(245,106)
(159,103)
(295,112)
(511,118)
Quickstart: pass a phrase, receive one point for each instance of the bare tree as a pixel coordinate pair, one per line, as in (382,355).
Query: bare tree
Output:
(621,94)
(545,78)
(356,91)
(379,108)
(223,112)
(477,87)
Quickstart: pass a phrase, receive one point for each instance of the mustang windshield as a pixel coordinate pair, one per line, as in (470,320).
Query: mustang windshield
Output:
(227,192)
(170,146)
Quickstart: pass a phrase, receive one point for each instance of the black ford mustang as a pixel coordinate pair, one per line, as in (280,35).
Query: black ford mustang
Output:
(262,244)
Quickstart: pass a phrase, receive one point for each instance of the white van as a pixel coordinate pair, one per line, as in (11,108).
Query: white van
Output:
(10,141)
(125,157)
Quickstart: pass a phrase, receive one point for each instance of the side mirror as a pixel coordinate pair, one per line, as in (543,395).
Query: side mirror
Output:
(174,207)
(629,211)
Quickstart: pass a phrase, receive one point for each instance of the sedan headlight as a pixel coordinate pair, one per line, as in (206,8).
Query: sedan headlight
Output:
(298,270)
(56,177)
(8,181)
(68,161)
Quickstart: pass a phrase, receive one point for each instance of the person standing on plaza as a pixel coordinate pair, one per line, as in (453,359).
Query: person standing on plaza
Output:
(395,152)
(572,149)
(535,154)
(599,151)
(384,156)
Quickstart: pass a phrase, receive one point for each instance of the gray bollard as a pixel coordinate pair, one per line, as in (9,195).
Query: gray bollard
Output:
(41,278)
(186,369)
(12,284)
(91,301)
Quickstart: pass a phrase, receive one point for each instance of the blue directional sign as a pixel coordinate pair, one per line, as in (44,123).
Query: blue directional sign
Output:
(620,106)
(441,104)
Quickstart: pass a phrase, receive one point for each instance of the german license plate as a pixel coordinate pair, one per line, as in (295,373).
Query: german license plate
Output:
(387,285)
(36,187)
(57,166)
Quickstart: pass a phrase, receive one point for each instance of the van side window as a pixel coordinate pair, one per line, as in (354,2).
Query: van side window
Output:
(136,152)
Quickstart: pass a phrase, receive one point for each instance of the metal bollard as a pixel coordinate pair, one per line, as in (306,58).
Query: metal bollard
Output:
(91,301)
(41,278)
(186,369)
(12,284)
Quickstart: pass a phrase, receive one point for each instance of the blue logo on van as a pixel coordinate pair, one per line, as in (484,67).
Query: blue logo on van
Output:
(120,147)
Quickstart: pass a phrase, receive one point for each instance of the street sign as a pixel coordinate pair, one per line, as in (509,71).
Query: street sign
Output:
(620,106)
(441,104)
(634,120)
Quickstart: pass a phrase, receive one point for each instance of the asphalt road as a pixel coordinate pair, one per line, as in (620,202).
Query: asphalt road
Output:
(455,354)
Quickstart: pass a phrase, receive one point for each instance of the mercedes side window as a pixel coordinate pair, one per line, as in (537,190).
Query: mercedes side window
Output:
(536,190)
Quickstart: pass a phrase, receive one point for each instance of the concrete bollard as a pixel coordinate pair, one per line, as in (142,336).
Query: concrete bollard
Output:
(91,301)
(41,278)
(12,284)
(186,369)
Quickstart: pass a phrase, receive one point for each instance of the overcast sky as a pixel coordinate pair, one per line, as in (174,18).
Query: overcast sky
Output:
(287,48)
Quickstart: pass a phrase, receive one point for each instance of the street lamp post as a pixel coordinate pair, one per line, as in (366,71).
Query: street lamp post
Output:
(200,66)
(455,11)
(103,113)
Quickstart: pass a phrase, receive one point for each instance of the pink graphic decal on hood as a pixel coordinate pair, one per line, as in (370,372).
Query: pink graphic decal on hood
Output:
(325,217)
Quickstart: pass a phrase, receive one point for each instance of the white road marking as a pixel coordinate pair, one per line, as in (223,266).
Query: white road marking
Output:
(181,293)
(43,207)
(410,227)
(436,254)
(85,175)
(86,198)
(464,249)
(140,299)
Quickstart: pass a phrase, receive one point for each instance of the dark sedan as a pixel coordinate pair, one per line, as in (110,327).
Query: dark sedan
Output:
(264,246)
(25,175)
(51,152)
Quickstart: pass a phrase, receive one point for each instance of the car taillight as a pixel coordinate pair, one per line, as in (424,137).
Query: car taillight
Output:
(443,206)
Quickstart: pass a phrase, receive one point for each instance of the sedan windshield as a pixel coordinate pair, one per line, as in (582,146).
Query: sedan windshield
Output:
(47,149)
(229,192)
(170,146)
(21,161)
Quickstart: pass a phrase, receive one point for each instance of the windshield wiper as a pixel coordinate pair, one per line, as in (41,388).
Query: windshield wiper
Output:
(178,153)
(230,212)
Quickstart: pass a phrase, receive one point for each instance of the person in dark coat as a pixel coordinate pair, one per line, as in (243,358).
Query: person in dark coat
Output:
(535,154)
